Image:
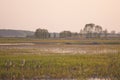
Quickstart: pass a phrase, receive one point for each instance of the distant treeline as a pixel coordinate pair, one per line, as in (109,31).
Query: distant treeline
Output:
(15,33)
(89,31)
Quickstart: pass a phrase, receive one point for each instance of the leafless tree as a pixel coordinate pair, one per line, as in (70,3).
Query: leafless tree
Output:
(92,30)
(42,33)
(65,34)
(89,29)
(98,31)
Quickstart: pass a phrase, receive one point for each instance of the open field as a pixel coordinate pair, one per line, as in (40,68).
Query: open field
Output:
(59,59)
(57,41)
(57,66)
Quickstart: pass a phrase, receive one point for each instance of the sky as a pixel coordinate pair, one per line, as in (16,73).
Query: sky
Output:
(59,15)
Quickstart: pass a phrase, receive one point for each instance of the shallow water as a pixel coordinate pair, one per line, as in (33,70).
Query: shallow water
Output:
(74,49)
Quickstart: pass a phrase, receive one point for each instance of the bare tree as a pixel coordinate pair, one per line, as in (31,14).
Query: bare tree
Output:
(105,32)
(41,33)
(81,33)
(65,34)
(89,29)
(98,31)
(113,32)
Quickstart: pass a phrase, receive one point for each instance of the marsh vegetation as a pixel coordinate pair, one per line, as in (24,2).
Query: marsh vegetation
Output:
(58,60)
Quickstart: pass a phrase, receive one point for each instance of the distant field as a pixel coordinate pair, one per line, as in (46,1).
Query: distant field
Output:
(61,41)
(23,58)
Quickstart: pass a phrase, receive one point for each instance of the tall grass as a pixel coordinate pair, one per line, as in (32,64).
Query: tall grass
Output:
(23,62)
(56,66)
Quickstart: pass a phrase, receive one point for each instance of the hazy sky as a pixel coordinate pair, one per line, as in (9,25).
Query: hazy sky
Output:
(59,15)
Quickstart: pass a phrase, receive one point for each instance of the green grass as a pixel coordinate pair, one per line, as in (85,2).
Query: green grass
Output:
(59,66)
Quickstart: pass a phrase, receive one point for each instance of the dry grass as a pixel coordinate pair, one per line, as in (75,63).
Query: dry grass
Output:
(59,61)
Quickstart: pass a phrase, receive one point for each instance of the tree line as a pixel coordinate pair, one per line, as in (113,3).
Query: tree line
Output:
(89,31)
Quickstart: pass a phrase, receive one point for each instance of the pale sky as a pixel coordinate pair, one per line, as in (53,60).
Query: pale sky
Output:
(59,15)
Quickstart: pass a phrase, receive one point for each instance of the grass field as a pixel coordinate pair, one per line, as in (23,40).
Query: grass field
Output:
(37,41)
(42,61)
(57,66)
